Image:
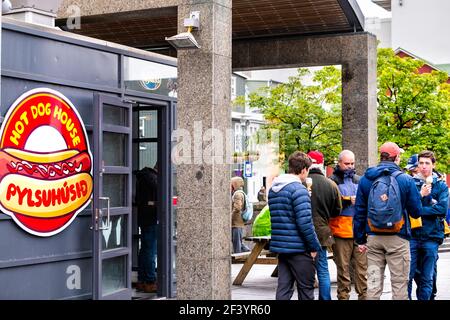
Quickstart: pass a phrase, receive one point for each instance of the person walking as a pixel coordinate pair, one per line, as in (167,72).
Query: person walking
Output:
(325,203)
(237,223)
(293,235)
(381,224)
(427,238)
(345,248)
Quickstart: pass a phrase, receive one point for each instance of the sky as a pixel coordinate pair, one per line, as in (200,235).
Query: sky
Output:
(369,10)
(372,10)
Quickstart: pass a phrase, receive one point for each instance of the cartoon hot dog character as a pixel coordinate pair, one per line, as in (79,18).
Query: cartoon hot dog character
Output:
(45,163)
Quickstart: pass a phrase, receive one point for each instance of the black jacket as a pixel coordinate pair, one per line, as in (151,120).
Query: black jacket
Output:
(146,196)
(325,203)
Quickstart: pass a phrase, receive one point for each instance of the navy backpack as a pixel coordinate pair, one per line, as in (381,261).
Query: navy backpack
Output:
(384,207)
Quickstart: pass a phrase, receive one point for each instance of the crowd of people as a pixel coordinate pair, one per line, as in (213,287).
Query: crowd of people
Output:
(389,216)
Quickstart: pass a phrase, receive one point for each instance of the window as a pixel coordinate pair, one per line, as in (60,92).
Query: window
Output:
(233,87)
(141,127)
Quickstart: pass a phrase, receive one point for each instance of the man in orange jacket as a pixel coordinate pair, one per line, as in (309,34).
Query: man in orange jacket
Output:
(344,248)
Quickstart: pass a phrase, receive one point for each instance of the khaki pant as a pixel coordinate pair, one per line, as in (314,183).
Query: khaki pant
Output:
(394,251)
(344,250)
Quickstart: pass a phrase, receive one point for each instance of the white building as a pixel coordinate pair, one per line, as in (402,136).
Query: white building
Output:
(245,123)
(418,26)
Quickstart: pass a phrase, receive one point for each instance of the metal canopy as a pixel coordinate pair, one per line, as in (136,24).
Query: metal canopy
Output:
(251,19)
(383,3)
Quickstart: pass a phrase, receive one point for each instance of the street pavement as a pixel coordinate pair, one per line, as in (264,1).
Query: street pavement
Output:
(259,285)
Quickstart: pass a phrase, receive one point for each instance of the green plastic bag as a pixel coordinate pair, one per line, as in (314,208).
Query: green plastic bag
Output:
(261,224)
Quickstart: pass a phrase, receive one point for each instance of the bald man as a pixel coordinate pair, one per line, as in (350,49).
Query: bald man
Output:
(344,248)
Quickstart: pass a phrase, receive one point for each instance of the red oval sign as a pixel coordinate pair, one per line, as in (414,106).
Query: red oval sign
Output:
(45,163)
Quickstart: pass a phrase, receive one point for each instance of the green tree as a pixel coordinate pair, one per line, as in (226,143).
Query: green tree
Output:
(413,108)
(307,117)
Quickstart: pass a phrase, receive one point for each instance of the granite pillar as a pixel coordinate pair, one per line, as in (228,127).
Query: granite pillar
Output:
(359,102)
(203,213)
(356,52)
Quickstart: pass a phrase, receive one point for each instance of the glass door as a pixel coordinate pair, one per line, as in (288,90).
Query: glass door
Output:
(111,219)
(151,149)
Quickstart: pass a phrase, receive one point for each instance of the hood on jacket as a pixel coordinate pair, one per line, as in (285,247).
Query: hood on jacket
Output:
(344,173)
(384,167)
(281,181)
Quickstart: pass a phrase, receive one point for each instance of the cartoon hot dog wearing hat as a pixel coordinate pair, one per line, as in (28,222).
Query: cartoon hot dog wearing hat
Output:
(45,163)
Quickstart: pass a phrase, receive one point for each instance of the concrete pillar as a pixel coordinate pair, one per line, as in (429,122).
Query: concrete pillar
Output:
(359,101)
(203,212)
(356,52)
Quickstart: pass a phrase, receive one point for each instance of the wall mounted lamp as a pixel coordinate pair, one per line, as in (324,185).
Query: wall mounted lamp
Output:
(6,6)
(186,40)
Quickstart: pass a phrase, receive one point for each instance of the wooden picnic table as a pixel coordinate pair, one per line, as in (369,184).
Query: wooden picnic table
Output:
(257,256)
(254,257)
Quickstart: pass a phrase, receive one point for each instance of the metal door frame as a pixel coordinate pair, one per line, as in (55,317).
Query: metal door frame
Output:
(99,169)
(164,107)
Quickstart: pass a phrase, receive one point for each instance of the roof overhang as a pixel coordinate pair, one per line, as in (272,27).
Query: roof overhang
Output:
(147,28)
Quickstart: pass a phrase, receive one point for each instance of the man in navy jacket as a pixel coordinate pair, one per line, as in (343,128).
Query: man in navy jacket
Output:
(390,248)
(427,238)
(293,234)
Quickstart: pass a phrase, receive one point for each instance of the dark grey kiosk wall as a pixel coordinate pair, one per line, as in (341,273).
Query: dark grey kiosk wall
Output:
(33,267)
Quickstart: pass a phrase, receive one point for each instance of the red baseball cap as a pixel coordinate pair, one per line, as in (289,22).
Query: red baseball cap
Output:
(316,156)
(391,148)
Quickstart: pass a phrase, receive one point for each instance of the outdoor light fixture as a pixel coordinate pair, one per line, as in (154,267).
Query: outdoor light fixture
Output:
(6,6)
(186,40)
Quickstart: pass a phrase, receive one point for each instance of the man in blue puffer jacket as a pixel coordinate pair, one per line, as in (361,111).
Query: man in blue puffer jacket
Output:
(293,234)
(391,248)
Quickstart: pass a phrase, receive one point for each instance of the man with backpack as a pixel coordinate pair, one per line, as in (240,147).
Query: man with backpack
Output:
(427,238)
(381,225)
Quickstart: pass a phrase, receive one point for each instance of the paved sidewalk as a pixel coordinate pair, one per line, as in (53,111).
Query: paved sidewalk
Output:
(259,285)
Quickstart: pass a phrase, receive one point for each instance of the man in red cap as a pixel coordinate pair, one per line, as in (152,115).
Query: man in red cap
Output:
(381,224)
(325,203)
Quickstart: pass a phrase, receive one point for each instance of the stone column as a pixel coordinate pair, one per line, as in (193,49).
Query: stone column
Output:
(203,214)
(359,101)
(356,52)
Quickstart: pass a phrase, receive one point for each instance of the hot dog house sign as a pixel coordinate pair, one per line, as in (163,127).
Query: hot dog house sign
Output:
(45,163)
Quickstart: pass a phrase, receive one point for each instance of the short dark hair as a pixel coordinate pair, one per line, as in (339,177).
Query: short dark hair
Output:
(427,154)
(384,156)
(298,161)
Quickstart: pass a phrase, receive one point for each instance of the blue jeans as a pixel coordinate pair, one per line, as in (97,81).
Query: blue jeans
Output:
(147,254)
(416,278)
(323,276)
(424,255)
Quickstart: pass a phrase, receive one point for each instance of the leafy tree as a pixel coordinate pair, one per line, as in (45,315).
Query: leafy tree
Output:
(413,108)
(308,117)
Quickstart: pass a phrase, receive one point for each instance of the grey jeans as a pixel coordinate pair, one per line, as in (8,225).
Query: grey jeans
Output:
(237,234)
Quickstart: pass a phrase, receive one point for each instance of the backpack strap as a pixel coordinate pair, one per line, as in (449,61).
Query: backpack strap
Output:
(397,173)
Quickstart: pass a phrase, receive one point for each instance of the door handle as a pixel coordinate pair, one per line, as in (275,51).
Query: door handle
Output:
(108,215)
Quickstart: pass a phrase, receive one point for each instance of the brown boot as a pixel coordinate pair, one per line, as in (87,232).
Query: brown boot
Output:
(139,286)
(150,287)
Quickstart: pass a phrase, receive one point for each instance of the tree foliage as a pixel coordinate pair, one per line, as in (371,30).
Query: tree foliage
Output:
(308,117)
(413,108)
